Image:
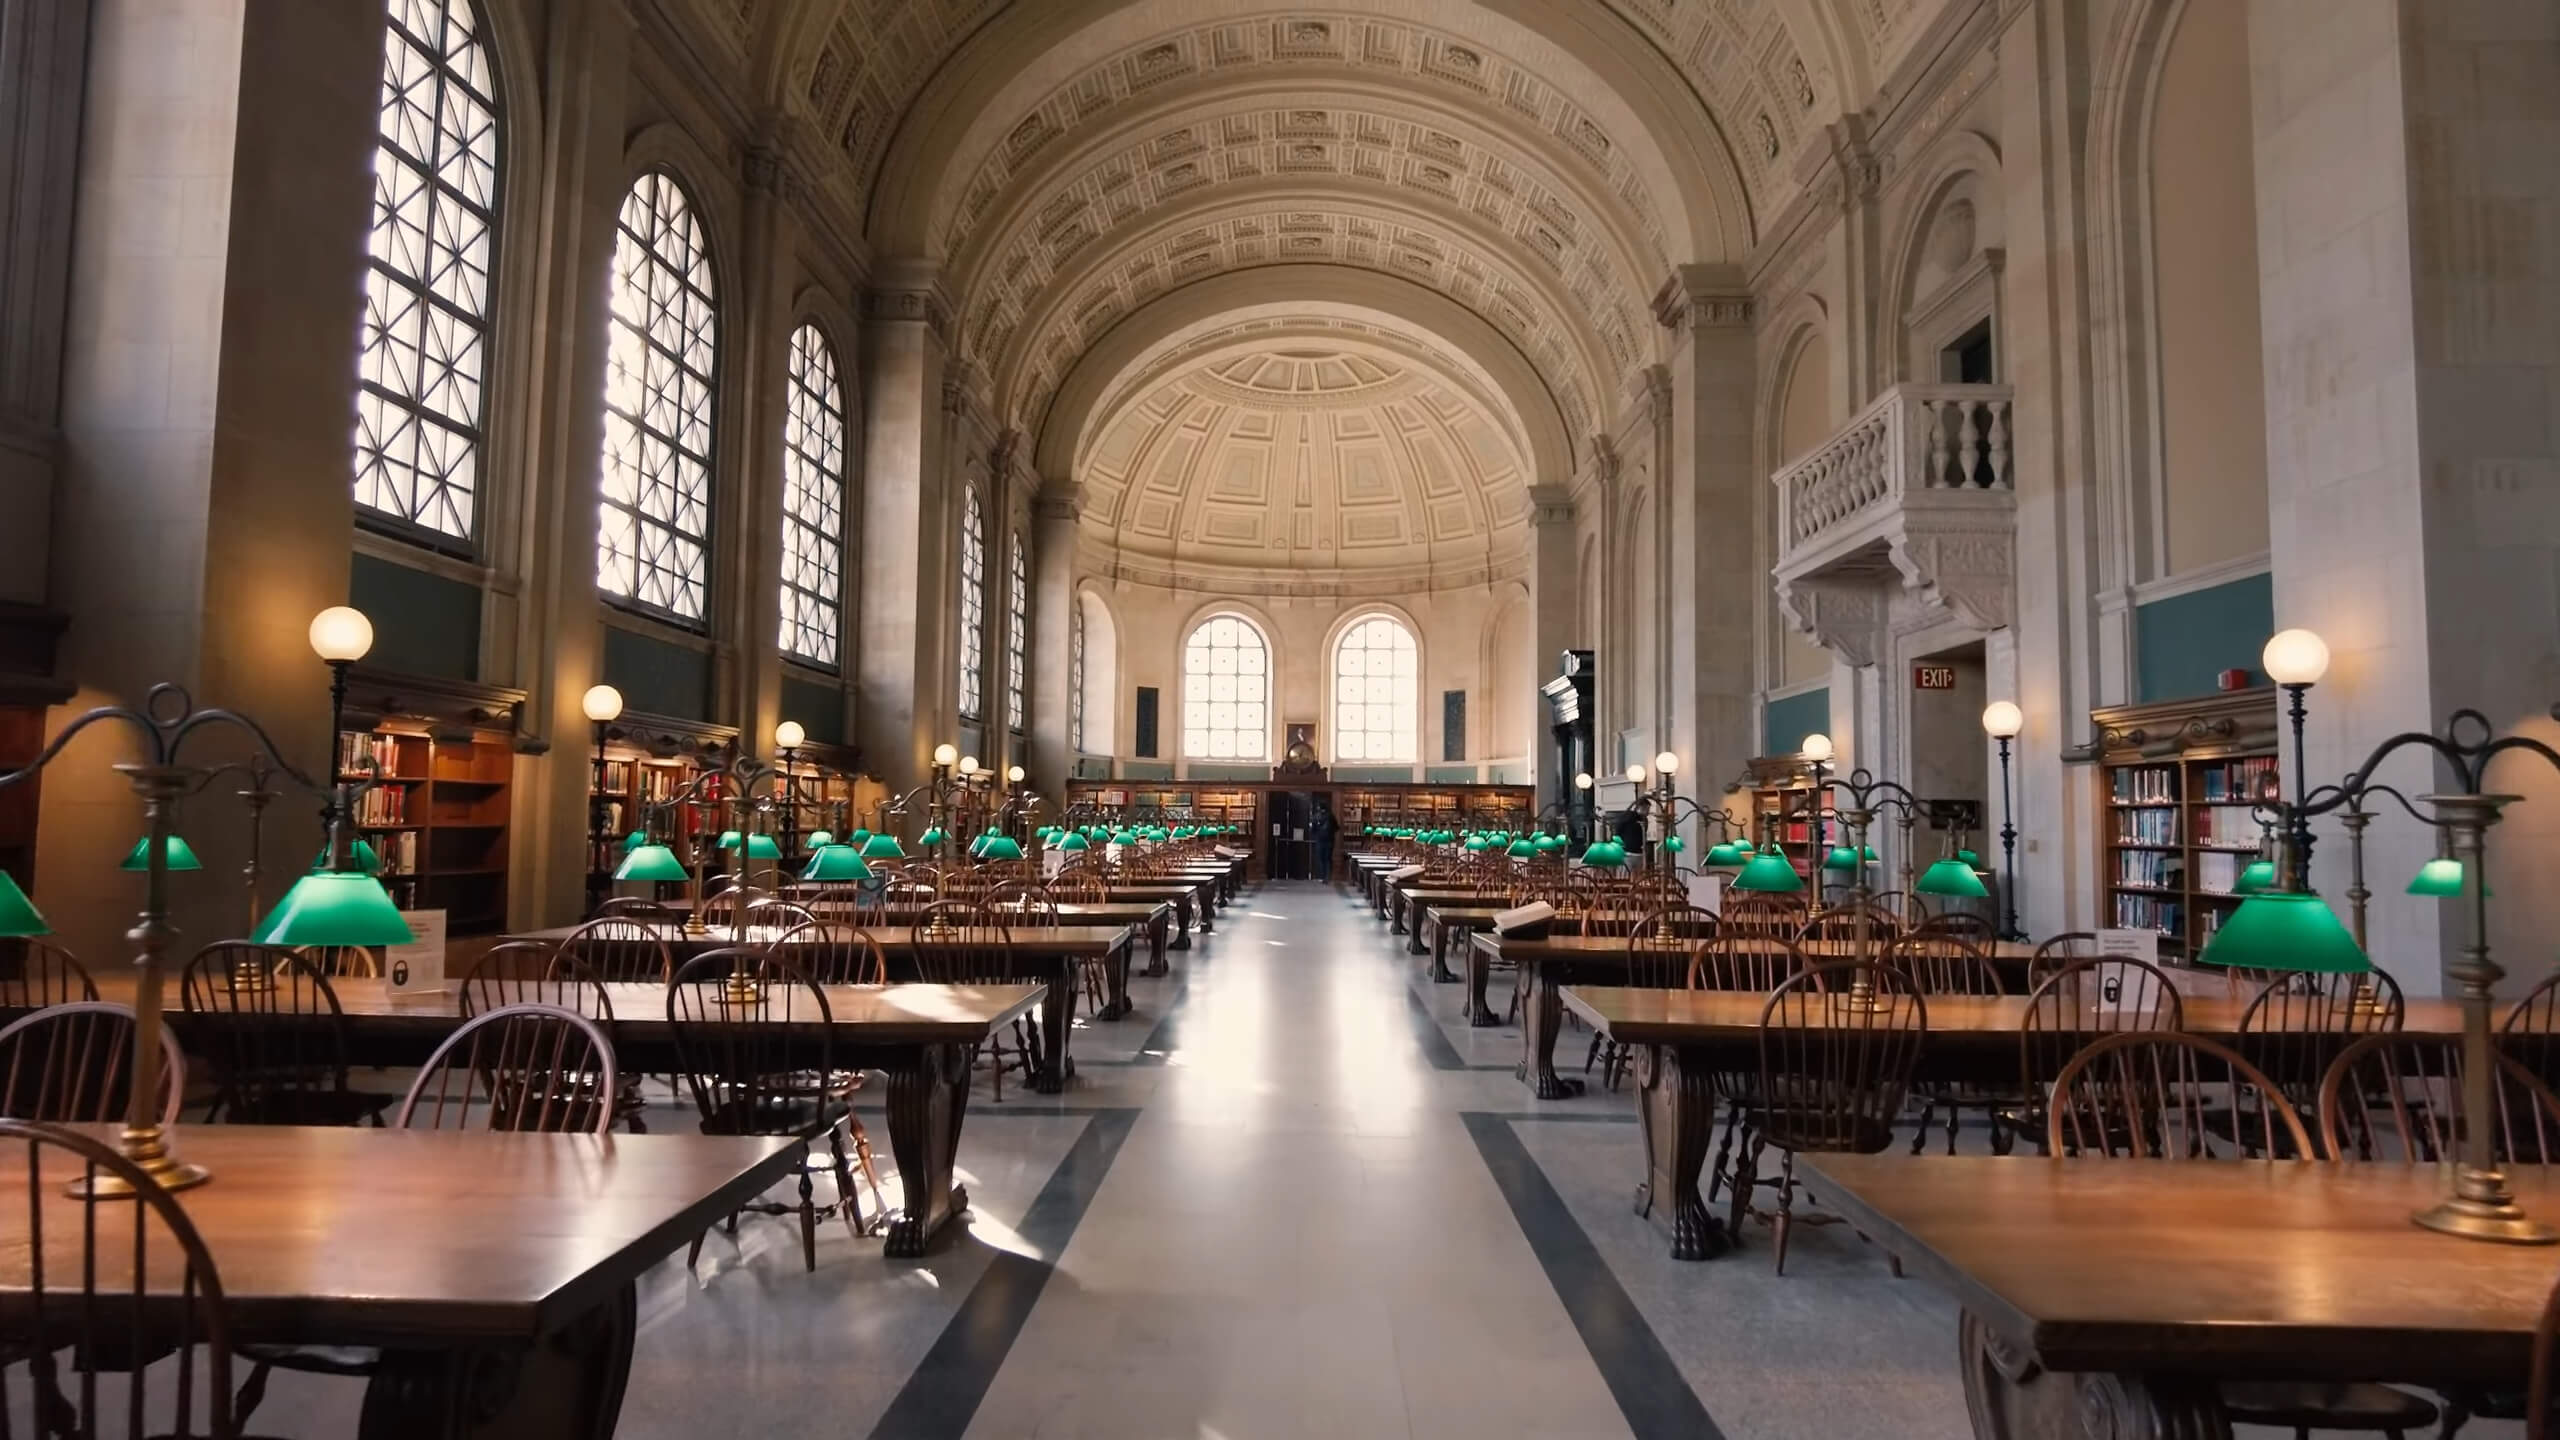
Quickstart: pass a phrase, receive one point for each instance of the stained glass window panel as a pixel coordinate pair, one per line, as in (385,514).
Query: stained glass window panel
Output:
(653,517)
(813,445)
(423,353)
(973,607)
(1226,691)
(1377,703)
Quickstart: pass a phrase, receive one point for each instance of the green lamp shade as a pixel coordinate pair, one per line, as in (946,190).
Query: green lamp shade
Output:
(334,907)
(977,845)
(763,847)
(1523,850)
(1550,844)
(358,851)
(1970,857)
(1770,873)
(634,841)
(18,915)
(934,836)
(2255,877)
(1475,844)
(1840,858)
(2281,930)
(999,847)
(730,840)
(883,847)
(860,837)
(1950,877)
(1074,842)
(1674,844)
(651,862)
(1730,855)
(181,856)
(821,839)
(836,862)
(2440,877)
(1604,855)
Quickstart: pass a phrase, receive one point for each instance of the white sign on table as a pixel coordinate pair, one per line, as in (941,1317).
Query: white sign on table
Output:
(417,967)
(2142,945)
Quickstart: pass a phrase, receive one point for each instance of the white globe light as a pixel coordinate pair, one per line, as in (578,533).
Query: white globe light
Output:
(1666,763)
(1635,774)
(1582,780)
(945,753)
(1013,773)
(341,633)
(2003,719)
(601,703)
(789,734)
(1816,747)
(2295,657)
(968,764)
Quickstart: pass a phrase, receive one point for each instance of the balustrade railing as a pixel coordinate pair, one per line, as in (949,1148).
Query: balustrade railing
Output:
(1912,439)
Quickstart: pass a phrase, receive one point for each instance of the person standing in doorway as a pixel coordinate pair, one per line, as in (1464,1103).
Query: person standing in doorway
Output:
(1323,828)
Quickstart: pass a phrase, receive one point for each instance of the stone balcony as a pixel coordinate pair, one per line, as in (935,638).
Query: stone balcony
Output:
(1914,495)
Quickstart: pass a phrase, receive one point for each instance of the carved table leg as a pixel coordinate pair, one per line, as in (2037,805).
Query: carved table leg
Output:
(1057,1016)
(1208,909)
(1115,968)
(1395,912)
(1480,1014)
(1155,946)
(1415,943)
(1679,1114)
(567,1386)
(928,1097)
(1441,939)
(1181,923)
(2010,1397)
(1541,1018)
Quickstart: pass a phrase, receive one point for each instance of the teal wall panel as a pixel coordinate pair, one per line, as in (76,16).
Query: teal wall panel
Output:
(1449,774)
(2183,642)
(1373,774)
(1145,770)
(423,624)
(819,708)
(658,676)
(1203,770)
(1785,723)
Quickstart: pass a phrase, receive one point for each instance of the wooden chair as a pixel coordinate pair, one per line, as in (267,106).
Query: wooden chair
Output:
(1870,924)
(73,1064)
(536,1068)
(2542,1415)
(1659,951)
(2399,1098)
(1941,962)
(616,950)
(726,911)
(1833,1079)
(959,942)
(2531,1031)
(341,961)
(2298,1023)
(37,973)
(2083,1001)
(2149,1095)
(1078,885)
(836,952)
(774,913)
(1964,924)
(2060,952)
(528,972)
(275,1037)
(636,907)
(85,1317)
(1762,917)
(757,1045)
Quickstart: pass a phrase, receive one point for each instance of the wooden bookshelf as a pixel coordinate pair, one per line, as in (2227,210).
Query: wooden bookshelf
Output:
(2177,780)
(647,760)
(438,815)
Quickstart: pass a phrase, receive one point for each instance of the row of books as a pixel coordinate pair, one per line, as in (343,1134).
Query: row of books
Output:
(2253,778)
(383,805)
(2225,825)
(359,753)
(2143,784)
(2156,869)
(2147,827)
(398,850)
(2218,870)
(2151,912)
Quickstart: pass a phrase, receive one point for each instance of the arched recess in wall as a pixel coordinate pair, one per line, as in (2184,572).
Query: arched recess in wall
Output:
(1247,734)
(1372,687)
(1634,585)
(1098,686)
(1511,686)
(1943,286)
(1800,412)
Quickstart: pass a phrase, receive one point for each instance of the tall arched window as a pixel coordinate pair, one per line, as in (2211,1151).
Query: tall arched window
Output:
(424,350)
(653,517)
(1075,676)
(1377,702)
(812,501)
(1226,691)
(1017,628)
(973,607)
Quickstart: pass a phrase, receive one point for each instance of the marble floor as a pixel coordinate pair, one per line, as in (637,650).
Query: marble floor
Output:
(1294,1194)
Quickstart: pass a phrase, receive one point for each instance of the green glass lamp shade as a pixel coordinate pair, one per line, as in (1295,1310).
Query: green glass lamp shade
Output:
(836,862)
(731,840)
(1840,858)
(18,914)
(1604,855)
(1674,844)
(182,856)
(1950,877)
(820,839)
(334,907)
(1730,855)
(861,836)
(1475,844)
(2255,877)
(883,847)
(934,836)
(361,853)
(1769,873)
(1523,850)
(1552,843)
(1970,857)
(2440,877)
(763,847)
(634,841)
(976,845)
(999,847)
(2281,930)
(1122,837)
(1075,843)
(651,862)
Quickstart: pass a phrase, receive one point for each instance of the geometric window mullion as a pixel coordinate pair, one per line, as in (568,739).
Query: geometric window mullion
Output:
(813,445)
(653,511)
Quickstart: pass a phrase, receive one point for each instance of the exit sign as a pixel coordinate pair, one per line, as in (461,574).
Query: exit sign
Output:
(1933,677)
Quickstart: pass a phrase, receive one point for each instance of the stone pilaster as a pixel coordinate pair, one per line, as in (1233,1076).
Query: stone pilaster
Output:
(749,624)
(903,615)
(1715,497)
(1053,606)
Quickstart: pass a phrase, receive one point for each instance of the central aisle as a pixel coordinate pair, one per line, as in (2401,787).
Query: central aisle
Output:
(1299,1236)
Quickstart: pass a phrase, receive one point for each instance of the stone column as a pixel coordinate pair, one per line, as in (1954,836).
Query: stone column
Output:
(1715,497)
(1554,594)
(2409,261)
(749,625)
(1053,607)
(901,616)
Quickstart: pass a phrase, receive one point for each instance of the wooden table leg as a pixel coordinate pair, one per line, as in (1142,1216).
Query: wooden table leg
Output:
(2010,1397)
(1156,926)
(928,1098)
(1413,944)
(1479,974)
(1440,953)
(568,1384)
(1207,896)
(1182,924)
(1395,911)
(1679,1112)
(1543,1017)
(1115,968)
(1057,1017)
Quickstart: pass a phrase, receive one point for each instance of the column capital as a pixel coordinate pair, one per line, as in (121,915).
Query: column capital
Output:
(909,293)
(1701,297)
(1550,505)
(1062,500)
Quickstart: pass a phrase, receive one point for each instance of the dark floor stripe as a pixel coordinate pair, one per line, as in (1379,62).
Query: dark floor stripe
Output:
(1657,1403)
(943,1394)
(1566,1117)
(1428,1034)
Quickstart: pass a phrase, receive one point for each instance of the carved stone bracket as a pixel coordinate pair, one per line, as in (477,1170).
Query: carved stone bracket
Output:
(1963,561)
(1849,615)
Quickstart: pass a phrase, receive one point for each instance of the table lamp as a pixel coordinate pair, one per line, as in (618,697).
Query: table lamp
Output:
(1769,873)
(651,862)
(182,856)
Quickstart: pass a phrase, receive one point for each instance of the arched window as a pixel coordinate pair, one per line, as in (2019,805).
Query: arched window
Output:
(812,501)
(653,517)
(973,607)
(1377,702)
(1075,676)
(1226,691)
(1017,627)
(424,352)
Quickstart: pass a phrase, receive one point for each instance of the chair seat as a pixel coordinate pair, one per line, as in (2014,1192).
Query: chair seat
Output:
(2356,1405)
(1816,1131)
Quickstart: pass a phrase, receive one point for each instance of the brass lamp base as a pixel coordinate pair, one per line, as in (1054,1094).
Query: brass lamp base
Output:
(2499,1221)
(148,1149)
(742,989)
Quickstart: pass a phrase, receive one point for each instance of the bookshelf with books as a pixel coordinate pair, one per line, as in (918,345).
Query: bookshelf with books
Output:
(647,761)
(440,811)
(2179,780)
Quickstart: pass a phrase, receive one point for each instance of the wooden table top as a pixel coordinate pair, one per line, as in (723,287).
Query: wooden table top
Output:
(1589,947)
(1044,940)
(354,1237)
(1671,1017)
(2234,1269)
(909,1014)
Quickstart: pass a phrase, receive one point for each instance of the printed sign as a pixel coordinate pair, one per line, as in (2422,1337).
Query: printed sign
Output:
(1933,677)
(2143,945)
(417,967)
